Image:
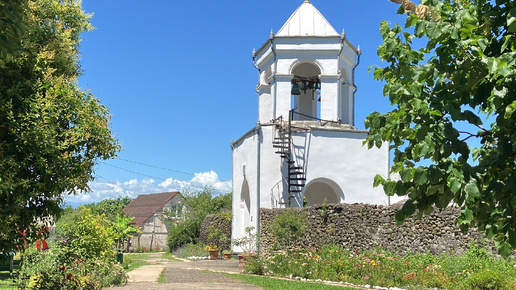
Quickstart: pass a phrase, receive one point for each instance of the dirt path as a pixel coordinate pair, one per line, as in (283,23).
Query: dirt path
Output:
(199,274)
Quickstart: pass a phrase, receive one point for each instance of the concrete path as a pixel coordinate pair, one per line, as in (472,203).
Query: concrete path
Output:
(186,274)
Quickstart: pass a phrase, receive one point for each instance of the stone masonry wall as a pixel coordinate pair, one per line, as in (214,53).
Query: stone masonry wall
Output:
(362,226)
(214,222)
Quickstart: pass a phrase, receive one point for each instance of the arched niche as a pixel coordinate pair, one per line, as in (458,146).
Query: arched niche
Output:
(318,189)
(245,205)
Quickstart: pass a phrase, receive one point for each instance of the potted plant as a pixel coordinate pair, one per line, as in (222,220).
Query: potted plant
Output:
(227,254)
(214,251)
(247,243)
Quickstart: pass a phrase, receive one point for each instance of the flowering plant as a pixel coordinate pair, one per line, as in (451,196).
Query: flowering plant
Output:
(210,247)
(247,243)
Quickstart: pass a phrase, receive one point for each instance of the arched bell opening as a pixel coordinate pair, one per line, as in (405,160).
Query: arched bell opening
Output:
(306,90)
(317,190)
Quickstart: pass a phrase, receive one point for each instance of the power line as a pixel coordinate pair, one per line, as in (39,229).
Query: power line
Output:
(168,169)
(121,168)
(135,172)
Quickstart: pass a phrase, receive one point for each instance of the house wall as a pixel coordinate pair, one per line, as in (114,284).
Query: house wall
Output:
(154,233)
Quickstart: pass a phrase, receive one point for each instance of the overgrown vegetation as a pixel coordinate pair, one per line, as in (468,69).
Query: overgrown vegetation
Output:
(287,228)
(197,206)
(83,256)
(476,269)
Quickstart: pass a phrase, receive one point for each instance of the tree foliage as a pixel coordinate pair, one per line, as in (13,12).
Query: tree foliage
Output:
(51,131)
(12,13)
(196,206)
(463,72)
(111,207)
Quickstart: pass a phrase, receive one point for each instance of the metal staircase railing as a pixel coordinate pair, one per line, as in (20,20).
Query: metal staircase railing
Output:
(283,143)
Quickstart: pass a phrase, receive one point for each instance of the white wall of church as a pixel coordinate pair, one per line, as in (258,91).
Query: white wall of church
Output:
(340,157)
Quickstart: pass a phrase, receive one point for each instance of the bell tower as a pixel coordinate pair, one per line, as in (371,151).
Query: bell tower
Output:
(307,66)
(304,147)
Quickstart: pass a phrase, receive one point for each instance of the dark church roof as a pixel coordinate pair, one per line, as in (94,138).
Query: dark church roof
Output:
(145,205)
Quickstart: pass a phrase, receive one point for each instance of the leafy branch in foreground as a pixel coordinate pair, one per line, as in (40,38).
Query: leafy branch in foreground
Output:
(464,73)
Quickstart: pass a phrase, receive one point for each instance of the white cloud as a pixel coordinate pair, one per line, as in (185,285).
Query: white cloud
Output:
(102,189)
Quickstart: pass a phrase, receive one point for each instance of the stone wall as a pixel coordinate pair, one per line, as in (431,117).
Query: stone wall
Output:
(217,222)
(363,226)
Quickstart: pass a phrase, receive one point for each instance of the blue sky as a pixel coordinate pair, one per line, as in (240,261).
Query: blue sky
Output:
(180,84)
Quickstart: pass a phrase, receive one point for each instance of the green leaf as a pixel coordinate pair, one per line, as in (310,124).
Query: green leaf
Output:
(399,217)
(509,110)
(420,176)
(504,248)
(433,30)
(454,184)
(465,217)
(471,190)
(406,174)
(388,187)
(511,20)
(378,180)
(491,231)
(411,20)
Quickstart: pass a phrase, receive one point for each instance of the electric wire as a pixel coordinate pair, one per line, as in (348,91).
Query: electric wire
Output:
(151,176)
(168,169)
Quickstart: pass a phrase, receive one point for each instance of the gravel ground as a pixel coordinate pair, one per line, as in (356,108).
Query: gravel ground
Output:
(199,274)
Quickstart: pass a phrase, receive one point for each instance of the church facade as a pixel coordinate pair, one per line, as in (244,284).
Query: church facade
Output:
(305,147)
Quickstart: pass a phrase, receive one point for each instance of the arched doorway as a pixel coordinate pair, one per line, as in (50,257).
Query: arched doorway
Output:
(318,189)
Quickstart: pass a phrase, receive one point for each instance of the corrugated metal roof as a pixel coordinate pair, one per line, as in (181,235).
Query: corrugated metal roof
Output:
(307,21)
(145,205)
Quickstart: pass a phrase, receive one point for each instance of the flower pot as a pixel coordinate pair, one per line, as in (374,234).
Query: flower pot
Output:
(227,256)
(240,258)
(214,254)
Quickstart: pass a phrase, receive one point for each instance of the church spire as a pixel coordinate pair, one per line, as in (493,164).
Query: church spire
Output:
(307,21)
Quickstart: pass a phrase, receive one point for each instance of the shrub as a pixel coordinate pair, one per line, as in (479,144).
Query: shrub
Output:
(89,236)
(56,269)
(286,228)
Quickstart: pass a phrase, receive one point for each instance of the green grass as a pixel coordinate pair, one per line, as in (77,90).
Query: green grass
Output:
(133,261)
(136,260)
(276,283)
(5,277)
(162,278)
(5,281)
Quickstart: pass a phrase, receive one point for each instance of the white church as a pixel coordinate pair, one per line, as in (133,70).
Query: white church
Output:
(305,147)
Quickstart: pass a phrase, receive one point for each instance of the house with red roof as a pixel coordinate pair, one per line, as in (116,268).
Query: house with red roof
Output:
(150,212)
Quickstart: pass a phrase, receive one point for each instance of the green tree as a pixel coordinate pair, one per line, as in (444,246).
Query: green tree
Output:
(461,70)
(123,229)
(12,13)
(111,207)
(196,206)
(51,132)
